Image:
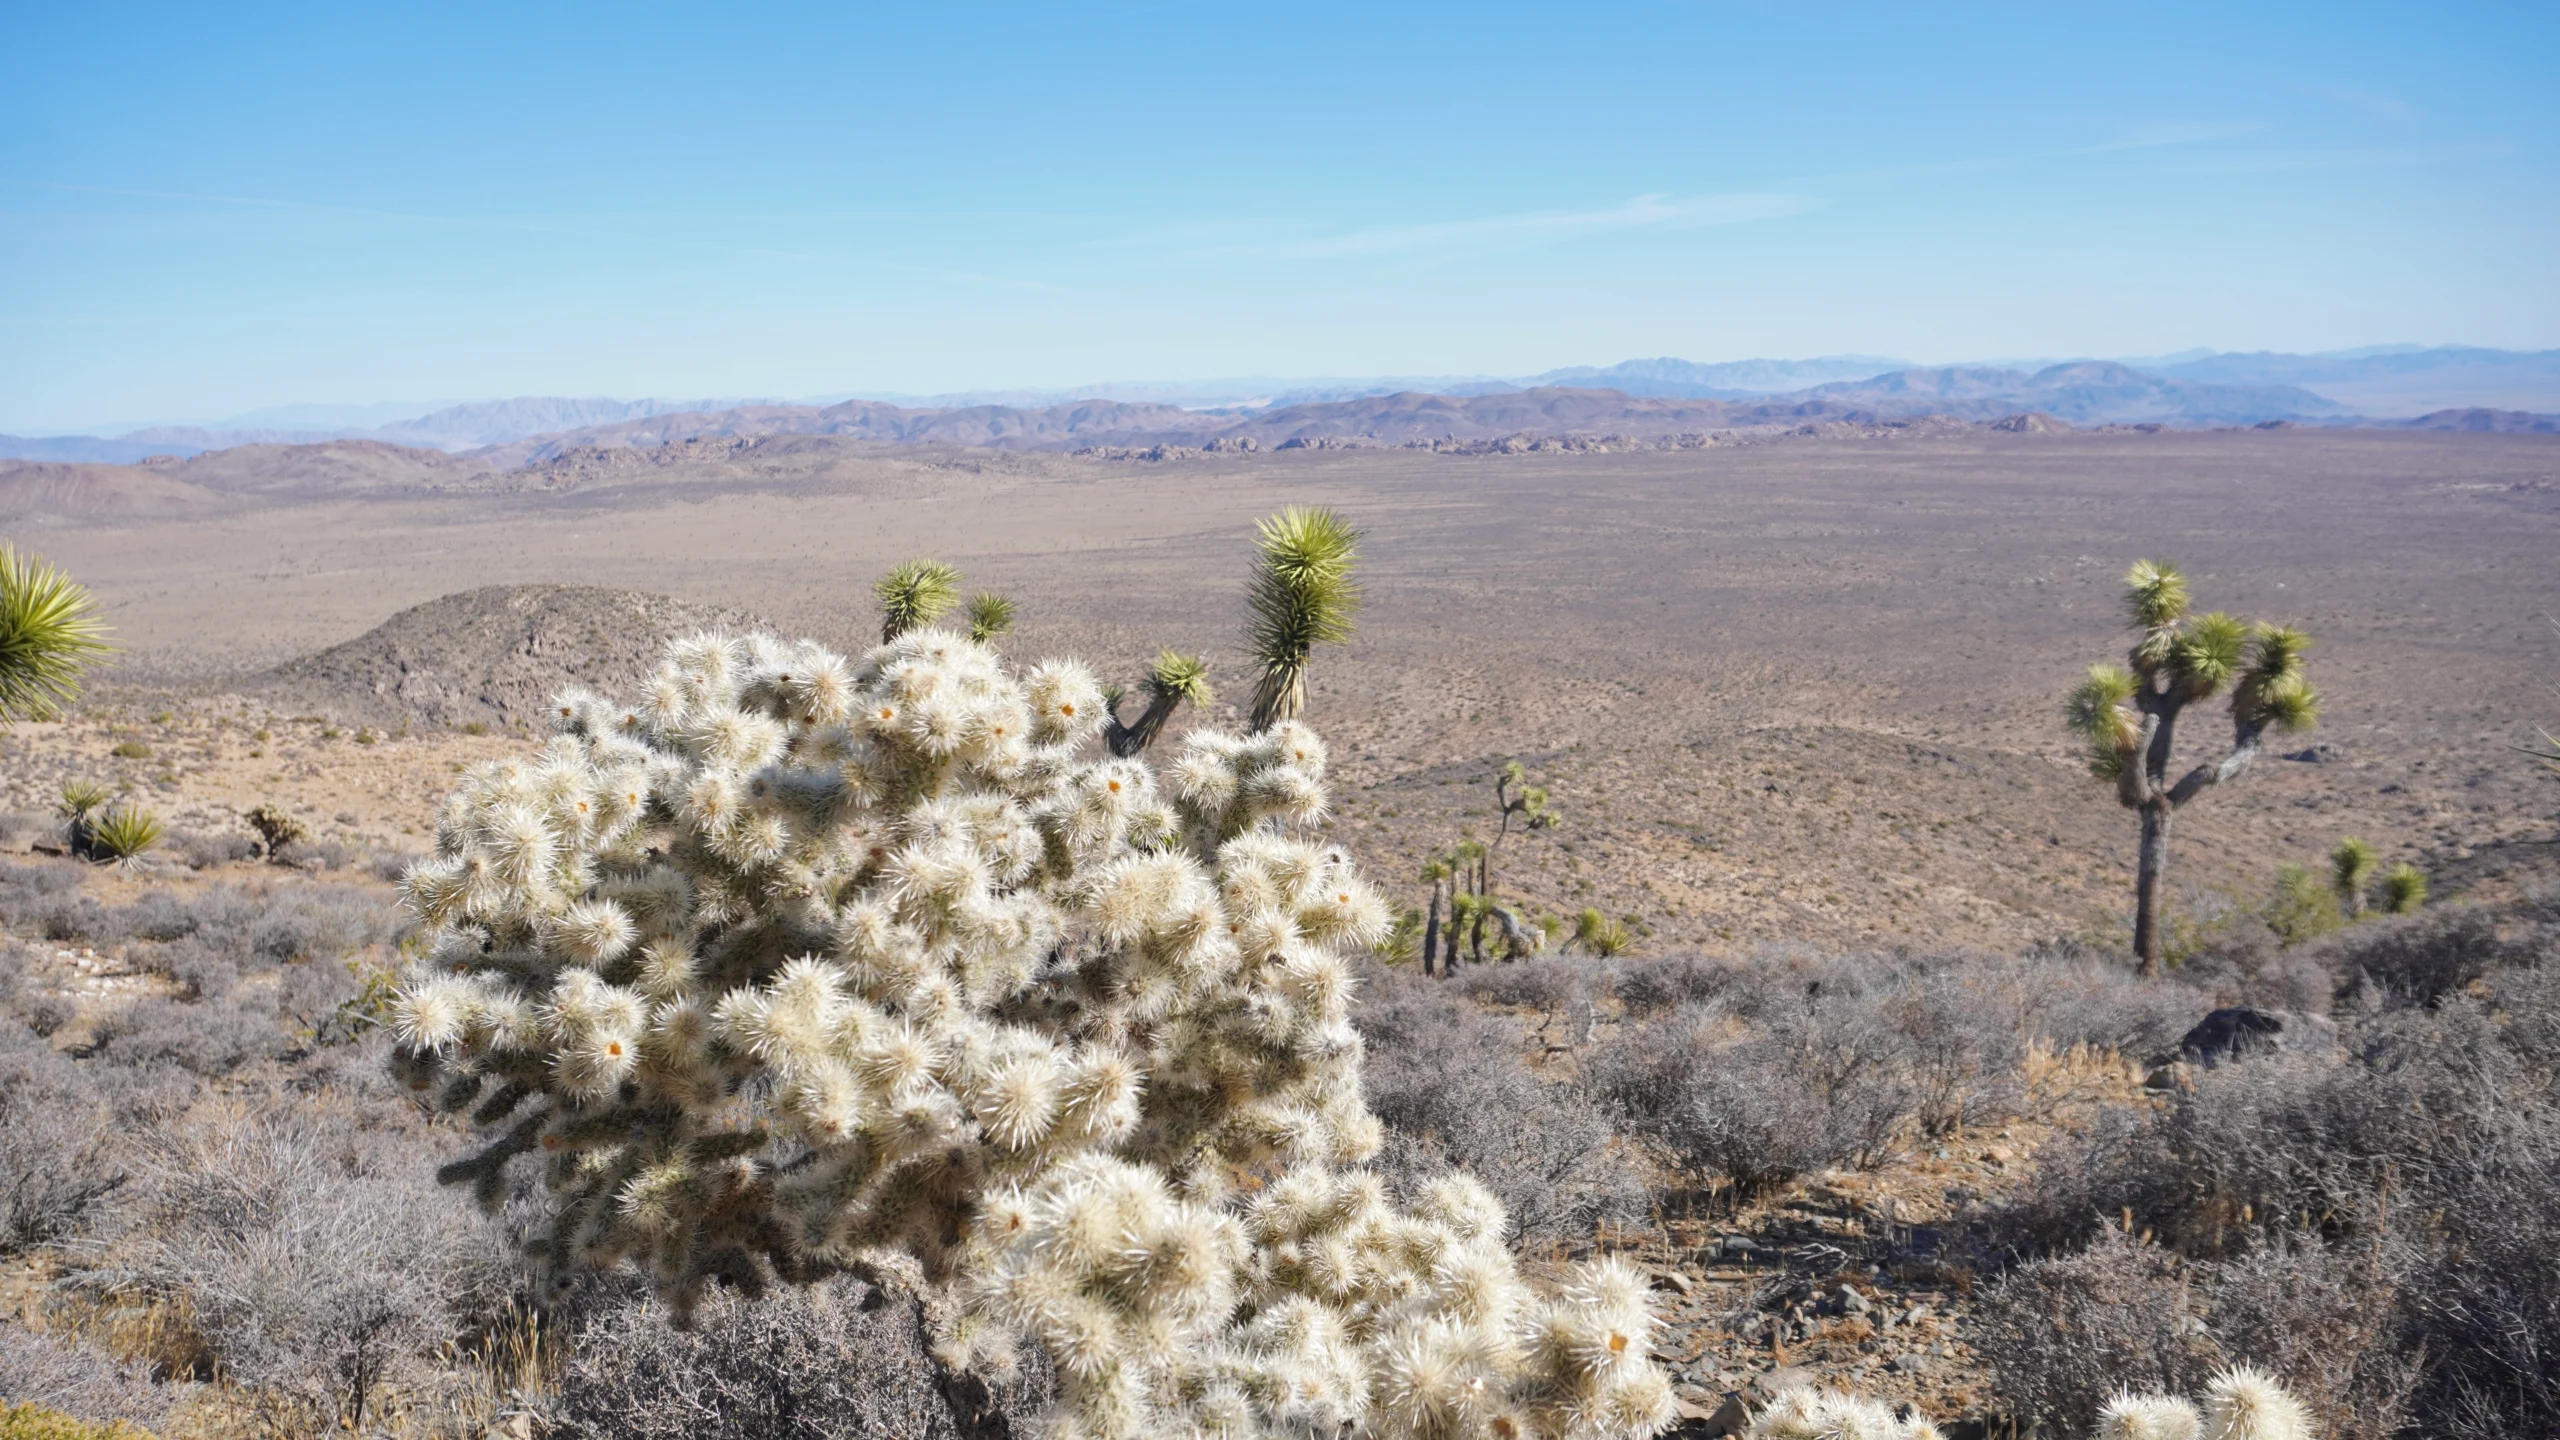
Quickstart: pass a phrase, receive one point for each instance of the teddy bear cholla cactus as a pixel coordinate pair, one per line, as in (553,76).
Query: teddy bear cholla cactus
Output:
(1805,1413)
(2241,1403)
(801,964)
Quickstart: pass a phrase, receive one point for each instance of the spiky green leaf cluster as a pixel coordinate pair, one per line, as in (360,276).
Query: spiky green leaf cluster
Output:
(2155,595)
(79,798)
(1302,595)
(2351,867)
(122,832)
(802,963)
(2208,652)
(990,615)
(2404,889)
(2276,690)
(2100,711)
(1176,676)
(914,595)
(49,634)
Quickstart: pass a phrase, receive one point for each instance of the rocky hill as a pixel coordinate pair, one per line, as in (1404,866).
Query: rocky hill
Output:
(492,657)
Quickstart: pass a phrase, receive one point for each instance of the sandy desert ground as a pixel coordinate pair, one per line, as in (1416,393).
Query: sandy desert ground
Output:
(1805,690)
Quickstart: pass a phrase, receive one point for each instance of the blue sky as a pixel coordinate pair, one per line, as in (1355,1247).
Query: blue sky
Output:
(206,209)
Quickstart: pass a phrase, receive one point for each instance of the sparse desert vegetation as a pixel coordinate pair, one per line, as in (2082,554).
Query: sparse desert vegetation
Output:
(1833,1034)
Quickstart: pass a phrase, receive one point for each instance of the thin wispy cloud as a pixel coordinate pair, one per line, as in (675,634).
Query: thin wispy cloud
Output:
(2162,136)
(1529,227)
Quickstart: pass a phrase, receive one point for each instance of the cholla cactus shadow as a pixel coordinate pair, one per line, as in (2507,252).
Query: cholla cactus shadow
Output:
(2129,714)
(803,964)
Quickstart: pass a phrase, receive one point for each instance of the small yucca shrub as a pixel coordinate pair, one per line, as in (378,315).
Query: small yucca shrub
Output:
(122,833)
(801,965)
(49,634)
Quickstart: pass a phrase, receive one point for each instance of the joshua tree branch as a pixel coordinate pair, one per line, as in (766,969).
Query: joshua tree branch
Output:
(2245,737)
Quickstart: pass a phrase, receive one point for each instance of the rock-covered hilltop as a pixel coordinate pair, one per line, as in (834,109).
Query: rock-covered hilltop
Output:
(493,656)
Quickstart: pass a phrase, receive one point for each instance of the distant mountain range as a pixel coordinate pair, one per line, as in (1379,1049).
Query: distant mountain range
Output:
(2198,388)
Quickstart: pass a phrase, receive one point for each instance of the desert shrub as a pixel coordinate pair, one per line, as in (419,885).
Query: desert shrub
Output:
(1555,986)
(1454,1090)
(201,851)
(800,960)
(313,1261)
(2326,1320)
(1788,1090)
(212,1038)
(55,1164)
(2062,1336)
(1653,985)
(832,1362)
(76,1380)
(2485,1312)
(31,1421)
(1962,1045)
(2420,959)
(26,889)
(2410,1099)
(202,970)
(314,855)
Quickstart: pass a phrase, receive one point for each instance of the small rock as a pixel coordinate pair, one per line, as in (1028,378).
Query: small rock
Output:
(2321,754)
(1672,1280)
(2176,1075)
(1916,1313)
(1697,1422)
(1792,1377)
(1852,1302)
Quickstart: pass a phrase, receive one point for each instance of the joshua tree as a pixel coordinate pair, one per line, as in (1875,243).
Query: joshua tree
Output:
(1172,682)
(1436,874)
(2350,872)
(915,594)
(49,633)
(990,615)
(2129,715)
(1516,799)
(807,965)
(1302,595)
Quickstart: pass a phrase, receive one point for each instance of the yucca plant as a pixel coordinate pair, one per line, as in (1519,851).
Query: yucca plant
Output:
(1599,935)
(49,634)
(79,798)
(990,615)
(915,594)
(2404,889)
(1303,594)
(2128,715)
(1173,681)
(2351,872)
(121,833)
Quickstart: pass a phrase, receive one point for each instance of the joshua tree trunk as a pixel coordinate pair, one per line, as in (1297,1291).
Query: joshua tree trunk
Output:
(1431,930)
(2143,785)
(1128,740)
(2154,864)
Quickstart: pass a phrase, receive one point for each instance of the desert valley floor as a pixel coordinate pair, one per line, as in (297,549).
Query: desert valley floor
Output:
(1804,690)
